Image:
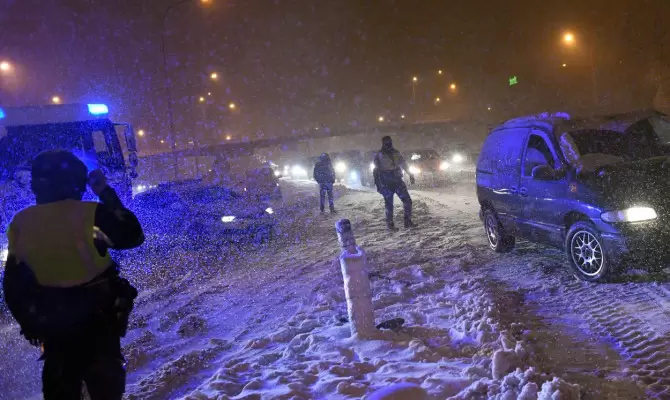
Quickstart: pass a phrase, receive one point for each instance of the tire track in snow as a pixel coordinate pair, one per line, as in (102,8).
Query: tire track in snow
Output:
(618,314)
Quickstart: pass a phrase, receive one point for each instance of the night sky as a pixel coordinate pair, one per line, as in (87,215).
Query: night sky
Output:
(297,65)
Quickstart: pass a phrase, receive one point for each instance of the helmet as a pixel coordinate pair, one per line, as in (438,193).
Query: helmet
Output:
(58,175)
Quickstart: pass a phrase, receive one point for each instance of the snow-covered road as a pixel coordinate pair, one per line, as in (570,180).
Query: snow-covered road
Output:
(270,323)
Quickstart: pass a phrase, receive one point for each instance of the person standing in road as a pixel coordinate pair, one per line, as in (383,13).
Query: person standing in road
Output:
(61,284)
(389,165)
(324,175)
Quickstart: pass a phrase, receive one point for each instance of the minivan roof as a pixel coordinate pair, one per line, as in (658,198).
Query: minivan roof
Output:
(617,122)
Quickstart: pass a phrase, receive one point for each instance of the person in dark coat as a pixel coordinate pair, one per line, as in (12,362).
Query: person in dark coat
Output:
(389,165)
(62,285)
(324,175)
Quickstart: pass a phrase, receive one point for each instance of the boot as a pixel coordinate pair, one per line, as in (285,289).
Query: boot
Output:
(391,226)
(410,224)
(332,211)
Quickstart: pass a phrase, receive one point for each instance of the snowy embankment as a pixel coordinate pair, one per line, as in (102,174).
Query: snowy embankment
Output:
(276,328)
(270,322)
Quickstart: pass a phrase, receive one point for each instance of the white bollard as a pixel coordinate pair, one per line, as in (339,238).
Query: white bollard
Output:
(356,283)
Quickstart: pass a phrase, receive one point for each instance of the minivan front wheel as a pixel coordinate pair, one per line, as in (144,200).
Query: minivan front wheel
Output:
(499,241)
(586,252)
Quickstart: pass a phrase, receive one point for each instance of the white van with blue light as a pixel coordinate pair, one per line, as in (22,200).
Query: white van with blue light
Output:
(84,129)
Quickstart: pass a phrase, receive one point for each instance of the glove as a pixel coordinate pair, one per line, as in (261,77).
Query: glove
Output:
(31,336)
(97,181)
(411,179)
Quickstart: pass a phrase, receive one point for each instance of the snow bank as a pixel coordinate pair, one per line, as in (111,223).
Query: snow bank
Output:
(453,345)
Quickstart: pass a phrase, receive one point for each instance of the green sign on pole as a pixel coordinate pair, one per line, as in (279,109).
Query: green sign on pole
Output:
(513,80)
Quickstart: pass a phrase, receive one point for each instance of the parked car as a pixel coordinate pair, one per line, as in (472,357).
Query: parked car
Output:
(367,172)
(460,160)
(349,167)
(428,167)
(596,188)
(192,213)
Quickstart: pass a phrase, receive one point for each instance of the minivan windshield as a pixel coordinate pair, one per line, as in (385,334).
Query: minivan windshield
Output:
(592,148)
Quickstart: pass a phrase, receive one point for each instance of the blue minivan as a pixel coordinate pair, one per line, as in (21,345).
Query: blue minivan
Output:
(596,187)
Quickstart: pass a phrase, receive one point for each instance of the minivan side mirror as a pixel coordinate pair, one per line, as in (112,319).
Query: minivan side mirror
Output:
(547,173)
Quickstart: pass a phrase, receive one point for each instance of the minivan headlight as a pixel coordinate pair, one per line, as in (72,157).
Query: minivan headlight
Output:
(414,170)
(4,254)
(633,214)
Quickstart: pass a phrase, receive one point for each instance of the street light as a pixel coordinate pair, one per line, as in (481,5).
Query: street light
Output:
(452,87)
(439,72)
(437,100)
(569,39)
(380,119)
(164,33)
(55,100)
(232,106)
(564,65)
(214,76)
(201,99)
(5,66)
(228,137)
(140,132)
(402,116)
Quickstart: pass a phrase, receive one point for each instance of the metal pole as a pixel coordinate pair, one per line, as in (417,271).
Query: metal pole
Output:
(593,76)
(167,85)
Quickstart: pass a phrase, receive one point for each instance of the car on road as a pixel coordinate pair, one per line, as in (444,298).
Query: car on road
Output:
(192,213)
(428,167)
(349,167)
(595,187)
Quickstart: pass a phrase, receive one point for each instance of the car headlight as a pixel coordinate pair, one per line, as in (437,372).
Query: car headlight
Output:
(457,158)
(414,170)
(297,170)
(444,166)
(277,173)
(340,167)
(269,210)
(227,218)
(353,175)
(633,214)
(4,253)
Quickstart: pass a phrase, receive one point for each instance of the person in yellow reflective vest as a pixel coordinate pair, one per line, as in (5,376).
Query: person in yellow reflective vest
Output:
(389,165)
(62,286)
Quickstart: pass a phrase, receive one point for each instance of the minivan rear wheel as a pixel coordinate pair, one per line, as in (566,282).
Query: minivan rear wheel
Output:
(586,253)
(499,241)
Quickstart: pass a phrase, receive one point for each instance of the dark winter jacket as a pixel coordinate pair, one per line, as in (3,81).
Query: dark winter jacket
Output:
(389,165)
(324,172)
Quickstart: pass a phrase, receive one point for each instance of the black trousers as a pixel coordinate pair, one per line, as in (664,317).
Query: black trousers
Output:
(95,361)
(399,189)
(326,189)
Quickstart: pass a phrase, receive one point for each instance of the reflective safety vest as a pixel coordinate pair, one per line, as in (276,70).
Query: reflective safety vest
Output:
(56,241)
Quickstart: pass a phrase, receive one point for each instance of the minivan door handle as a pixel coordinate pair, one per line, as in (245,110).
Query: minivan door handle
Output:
(514,190)
(523,191)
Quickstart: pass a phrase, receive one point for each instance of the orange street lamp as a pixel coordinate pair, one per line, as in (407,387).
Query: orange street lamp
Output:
(55,100)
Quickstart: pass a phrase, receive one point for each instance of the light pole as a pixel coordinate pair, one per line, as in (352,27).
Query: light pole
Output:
(570,40)
(414,81)
(168,92)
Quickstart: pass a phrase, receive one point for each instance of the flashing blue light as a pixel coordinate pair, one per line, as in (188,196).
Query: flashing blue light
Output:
(2,114)
(97,109)
(558,114)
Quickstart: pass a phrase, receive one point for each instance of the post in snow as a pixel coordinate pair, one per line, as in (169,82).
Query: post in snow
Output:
(356,282)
